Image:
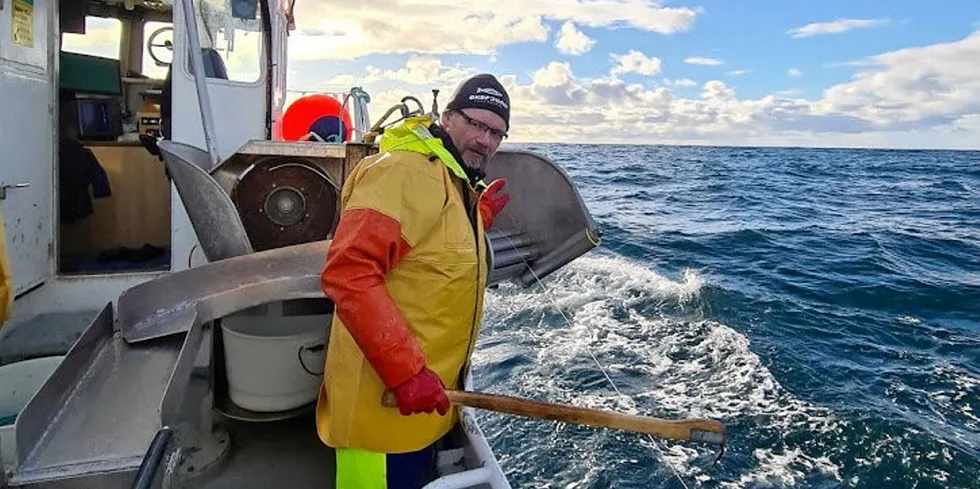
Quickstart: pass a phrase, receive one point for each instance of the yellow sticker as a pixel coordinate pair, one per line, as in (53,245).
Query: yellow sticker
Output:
(23,22)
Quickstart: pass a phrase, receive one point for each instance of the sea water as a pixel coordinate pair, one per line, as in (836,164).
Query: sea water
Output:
(824,304)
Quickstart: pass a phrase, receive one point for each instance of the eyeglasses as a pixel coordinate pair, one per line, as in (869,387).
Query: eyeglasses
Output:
(494,133)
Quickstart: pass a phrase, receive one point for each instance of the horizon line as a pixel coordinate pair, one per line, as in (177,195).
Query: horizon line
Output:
(746,146)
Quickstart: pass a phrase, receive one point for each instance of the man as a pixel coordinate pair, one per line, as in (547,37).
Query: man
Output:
(6,280)
(407,271)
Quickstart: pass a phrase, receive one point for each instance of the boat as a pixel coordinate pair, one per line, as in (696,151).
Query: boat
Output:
(166,241)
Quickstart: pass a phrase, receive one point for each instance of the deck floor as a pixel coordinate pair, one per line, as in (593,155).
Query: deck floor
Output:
(285,453)
(43,335)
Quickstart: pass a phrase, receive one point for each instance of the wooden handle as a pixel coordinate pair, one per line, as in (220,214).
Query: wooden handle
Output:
(706,430)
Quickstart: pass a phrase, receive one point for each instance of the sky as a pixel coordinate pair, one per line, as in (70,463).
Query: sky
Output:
(844,73)
(856,73)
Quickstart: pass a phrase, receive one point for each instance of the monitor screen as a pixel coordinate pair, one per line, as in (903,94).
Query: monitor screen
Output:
(93,116)
(93,119)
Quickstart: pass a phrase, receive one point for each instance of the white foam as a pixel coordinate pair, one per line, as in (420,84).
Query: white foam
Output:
(965,388)
(590,278)
(783,469)
(695,368)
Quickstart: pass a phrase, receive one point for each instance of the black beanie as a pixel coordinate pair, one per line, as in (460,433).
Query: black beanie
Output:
(482,92)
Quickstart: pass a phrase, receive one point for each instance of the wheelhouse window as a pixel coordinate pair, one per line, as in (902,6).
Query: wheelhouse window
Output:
(101,38)
(158,38)
(231,39)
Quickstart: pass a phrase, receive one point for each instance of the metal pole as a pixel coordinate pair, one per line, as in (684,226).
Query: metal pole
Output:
(200,80)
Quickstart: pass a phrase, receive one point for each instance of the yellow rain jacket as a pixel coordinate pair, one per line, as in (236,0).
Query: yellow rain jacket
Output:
(407,271)
(6,279)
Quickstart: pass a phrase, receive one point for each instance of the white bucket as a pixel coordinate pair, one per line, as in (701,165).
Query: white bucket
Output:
(274,363)
(18,383)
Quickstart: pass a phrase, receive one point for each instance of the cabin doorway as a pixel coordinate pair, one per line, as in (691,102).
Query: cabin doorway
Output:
(114,196)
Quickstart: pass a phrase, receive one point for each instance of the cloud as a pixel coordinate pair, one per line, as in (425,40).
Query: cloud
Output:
(835,27)
(635,62)
(345,81)
(968,123)
(703,61)
(556,85)
(924,96)
(573,41)
(738,72)
(794,72)
(850,64)
(385,99)
(337,29)
(792,92)
(557,106)
(717,90)
(386,87)
(682,82)
(418,70)
(925,85)
(425,70)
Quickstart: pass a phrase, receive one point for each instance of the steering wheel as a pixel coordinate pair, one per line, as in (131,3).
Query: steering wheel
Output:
(166,44)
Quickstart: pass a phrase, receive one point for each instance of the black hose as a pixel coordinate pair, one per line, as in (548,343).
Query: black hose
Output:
(151,462)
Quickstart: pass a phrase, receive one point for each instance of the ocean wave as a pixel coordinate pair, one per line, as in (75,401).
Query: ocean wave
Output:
(822,303)
(665,365)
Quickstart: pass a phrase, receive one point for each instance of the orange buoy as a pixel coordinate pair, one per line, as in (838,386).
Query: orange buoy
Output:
(320,114)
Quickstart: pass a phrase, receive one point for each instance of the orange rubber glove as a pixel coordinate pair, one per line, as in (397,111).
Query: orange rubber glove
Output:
(422,393)
(491,204)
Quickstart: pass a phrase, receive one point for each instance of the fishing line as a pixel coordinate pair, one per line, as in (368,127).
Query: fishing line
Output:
(588,348)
